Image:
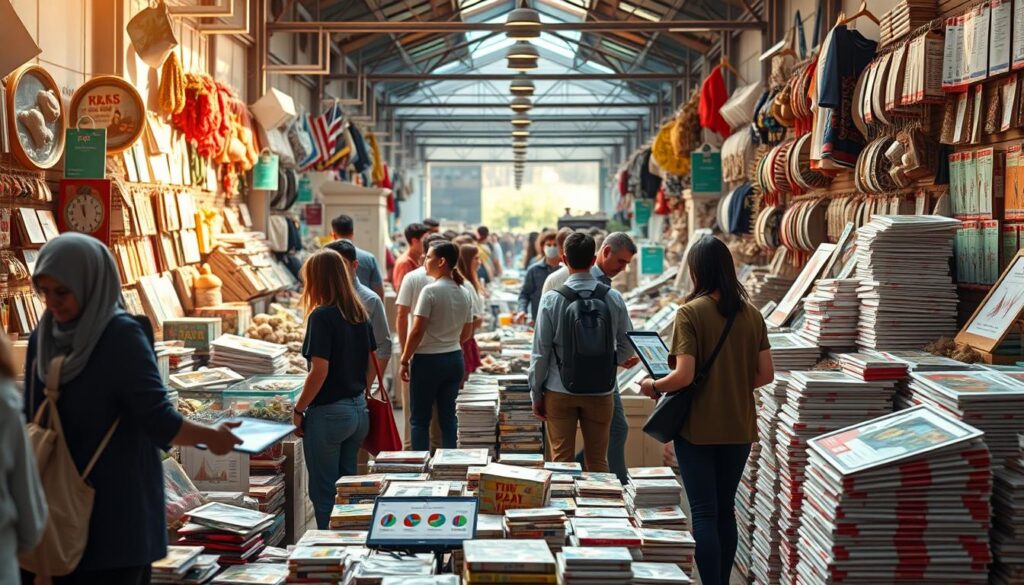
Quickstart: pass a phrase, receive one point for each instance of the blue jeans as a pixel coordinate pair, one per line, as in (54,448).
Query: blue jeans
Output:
(333,435)
(711,475)
(434,378)
(617,436)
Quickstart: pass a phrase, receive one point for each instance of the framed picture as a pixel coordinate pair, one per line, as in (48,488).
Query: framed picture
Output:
(111,103)
(1002,307)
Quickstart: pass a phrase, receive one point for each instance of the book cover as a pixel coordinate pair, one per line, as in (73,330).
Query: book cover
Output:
(513,556)
(504,487)
(196,332)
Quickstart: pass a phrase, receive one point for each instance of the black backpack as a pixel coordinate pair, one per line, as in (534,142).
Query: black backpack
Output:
(588,364)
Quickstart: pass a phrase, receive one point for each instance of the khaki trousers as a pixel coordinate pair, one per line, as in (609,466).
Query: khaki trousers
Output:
(593,414)
(435,427)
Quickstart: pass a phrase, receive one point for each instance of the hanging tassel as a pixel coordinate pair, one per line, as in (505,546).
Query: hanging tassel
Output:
(171,93)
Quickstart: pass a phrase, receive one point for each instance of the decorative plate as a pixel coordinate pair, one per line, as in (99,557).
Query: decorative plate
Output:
(114,104)
(36,118)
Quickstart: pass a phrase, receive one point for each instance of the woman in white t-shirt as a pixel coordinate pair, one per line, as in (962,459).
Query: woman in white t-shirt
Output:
(469,262)
(432,358)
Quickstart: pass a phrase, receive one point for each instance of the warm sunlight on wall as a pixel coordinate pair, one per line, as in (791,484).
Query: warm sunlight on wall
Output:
(547,190)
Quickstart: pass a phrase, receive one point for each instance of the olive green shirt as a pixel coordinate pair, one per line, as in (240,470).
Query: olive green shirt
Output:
(723,410)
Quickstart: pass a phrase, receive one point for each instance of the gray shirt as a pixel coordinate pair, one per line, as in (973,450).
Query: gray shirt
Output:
(378,319)
(557,278)
(22,501)
(367,273)
(543,374)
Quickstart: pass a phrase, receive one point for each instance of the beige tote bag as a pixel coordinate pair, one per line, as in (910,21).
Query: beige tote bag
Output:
(68,495)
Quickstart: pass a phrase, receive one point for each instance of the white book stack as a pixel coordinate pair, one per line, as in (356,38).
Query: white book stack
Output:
(831,312)
(248,356)
(1008,521)
(476,409)
(765,561)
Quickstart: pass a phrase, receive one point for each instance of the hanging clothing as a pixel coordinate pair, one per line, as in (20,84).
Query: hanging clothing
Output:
(849,53)
(650,182)
(713,96)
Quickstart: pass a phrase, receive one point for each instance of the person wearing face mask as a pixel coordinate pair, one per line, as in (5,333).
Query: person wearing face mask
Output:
(533,282)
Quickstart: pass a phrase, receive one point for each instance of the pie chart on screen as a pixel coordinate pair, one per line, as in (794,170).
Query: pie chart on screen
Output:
(436,520)
(412,520)
(459,521)
(388,520)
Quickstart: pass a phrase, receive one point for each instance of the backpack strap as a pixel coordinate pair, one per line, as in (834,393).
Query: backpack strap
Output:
(567,292)
(600,291)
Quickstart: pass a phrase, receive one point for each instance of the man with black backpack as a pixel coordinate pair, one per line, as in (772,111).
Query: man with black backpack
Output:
(578,344)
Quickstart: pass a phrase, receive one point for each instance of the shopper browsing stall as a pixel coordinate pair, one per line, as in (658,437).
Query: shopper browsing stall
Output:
(432,359)
(714,441)
(331,412)
(374,306)
(533,282)
(112,406)
(413,255)
(343,228)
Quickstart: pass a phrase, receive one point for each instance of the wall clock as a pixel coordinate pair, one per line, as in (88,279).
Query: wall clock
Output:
(111,103)
(36,119)
(83,206)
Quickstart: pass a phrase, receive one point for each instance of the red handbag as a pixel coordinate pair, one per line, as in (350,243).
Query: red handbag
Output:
(383,435)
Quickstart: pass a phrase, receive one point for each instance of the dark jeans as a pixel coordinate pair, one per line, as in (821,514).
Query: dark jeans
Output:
(617,436)
(125,576)
(711,475)
(333,435)
(434,378)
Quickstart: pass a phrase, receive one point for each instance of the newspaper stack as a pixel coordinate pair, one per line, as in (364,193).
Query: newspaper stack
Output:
(816,402)
(667,517)
(544,523)
(508,561)
(765,562)
(791,351)
(831,312)
(669,546)
(907,294)
(526,460)
(581,565)
(265,574)
(358,489)
(351,516)
(453,464)
(476,409)
(871,366)
(1008,521)
(648,493)
(234,533)
(862,484)
(400,462)
(174,567)
(325,564)
(519,430)
(988,400)
(248,357)
(371,570)
(645,573)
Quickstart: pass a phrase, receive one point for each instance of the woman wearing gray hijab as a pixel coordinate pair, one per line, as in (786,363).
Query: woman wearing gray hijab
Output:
(108,380)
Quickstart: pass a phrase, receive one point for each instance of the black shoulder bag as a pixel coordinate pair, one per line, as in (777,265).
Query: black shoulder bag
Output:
(673,409)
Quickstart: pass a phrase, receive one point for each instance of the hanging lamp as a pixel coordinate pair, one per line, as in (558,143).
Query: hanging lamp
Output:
(520,133)
(521,121)
(521,86)
(522,56)
(523,23)
(521,104)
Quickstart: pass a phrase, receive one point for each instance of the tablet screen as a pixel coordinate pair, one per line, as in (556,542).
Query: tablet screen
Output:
(652,352)
(422,522)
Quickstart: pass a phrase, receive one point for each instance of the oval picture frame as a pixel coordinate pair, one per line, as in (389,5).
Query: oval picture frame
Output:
(114,104)
(40,144)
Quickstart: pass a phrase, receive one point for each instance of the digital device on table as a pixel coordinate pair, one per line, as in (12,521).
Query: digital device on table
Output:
(257,435)
(652,351)
(422,524)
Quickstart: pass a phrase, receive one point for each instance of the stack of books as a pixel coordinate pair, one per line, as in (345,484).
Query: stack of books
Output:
(262,573)
(400,462)
(645,573)
(791,351)
(453,464)
(571,468)
(606,532)
(508,561)
(547,524)
(476,409)
(816,402)
(669,546)
(907,294)
(871,366)
(746,495)
(667,517)
(594,512)
(424,580)
(768,286)
(765,560)
(419,489)
(248,356)
(180,358)
(346,538)
(174,567)
(505,487)
(535,460)
(863,480)
(581,565)
(922,361)
(268,491)
(371,570)
(1008,521)
(649,493)
(358,489)
(831,312)
(988,400)
(351,516)
(597,488)
(519,430)
(567,505)
(320,564)
(233,533)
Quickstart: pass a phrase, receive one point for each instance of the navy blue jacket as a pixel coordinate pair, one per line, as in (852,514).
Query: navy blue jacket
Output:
(128,526)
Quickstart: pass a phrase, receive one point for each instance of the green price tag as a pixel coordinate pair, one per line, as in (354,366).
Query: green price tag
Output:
(642,211)
(85,153)
(305,190)
(652,259)
(264,173)
(706,166)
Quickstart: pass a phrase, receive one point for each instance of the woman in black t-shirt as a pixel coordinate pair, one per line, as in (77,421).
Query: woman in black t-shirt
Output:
(331,412)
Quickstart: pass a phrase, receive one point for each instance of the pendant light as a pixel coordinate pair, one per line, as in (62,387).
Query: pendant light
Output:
(521,86)
(520,133)
(522,56)
(519,142)
(523,23)
(521,104)
(521,121)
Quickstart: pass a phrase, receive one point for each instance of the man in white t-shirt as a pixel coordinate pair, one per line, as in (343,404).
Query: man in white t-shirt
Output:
(408,296)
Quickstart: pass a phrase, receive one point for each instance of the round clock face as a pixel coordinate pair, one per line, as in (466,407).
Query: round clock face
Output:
(84,212)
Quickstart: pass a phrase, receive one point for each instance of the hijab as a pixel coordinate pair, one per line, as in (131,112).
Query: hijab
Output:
(86,267)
